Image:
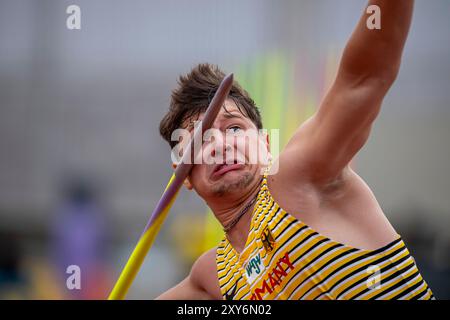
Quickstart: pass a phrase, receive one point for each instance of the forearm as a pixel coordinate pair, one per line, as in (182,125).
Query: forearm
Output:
(324,145)
(375,53)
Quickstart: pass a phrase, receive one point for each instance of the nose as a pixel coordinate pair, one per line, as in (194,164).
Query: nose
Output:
(220,146)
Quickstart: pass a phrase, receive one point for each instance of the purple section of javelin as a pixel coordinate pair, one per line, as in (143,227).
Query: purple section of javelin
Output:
(164,201)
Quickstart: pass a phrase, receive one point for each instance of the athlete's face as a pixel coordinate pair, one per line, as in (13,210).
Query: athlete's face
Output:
(231,155)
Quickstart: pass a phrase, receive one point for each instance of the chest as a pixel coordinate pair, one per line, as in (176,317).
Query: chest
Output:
(347,212)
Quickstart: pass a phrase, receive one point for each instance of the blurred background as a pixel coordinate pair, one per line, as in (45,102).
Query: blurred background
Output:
(82,164)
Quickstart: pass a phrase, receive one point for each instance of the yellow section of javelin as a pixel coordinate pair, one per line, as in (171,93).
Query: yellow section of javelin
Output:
(137,257)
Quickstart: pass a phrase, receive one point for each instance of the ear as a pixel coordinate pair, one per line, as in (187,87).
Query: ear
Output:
(268,148)
(186,181)
(188,184)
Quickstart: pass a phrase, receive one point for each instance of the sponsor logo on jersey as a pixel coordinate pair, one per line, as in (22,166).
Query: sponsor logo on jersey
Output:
(254,268)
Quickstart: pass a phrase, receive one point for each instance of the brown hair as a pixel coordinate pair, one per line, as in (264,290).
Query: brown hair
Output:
(193,95)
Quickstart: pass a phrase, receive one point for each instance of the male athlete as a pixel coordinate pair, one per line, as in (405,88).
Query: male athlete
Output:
(309,227)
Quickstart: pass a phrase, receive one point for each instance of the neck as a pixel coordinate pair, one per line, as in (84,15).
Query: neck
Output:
(226,208)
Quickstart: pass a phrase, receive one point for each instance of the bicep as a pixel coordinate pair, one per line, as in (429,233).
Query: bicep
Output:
(325,144)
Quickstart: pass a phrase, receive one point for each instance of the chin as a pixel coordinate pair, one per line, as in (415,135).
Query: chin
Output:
(233,182)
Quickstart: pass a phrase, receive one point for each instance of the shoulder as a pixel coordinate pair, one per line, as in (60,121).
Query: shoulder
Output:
(204,273)
(206,260)
(200,284)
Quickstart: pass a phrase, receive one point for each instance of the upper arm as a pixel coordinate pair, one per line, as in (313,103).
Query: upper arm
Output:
(322,147)
(325,144)
(201,283)
(187,289)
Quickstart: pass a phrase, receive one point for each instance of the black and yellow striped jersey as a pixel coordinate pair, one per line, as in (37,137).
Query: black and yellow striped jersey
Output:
(286,259)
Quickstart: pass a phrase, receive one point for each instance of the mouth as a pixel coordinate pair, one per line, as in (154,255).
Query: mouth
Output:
(221,169)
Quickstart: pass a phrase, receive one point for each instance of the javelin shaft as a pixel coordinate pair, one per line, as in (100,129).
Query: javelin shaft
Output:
(158,216)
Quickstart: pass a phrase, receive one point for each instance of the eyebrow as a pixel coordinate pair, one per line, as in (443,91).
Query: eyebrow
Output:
(226,115)
(229,115)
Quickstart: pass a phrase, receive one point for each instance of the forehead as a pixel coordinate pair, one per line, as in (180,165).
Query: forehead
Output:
(229,107)
(228,110)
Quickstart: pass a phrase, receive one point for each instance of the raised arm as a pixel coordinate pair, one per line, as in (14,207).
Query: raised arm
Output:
(324,145)
(376,53)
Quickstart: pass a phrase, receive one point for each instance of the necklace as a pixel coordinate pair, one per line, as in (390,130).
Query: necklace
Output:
(235,220)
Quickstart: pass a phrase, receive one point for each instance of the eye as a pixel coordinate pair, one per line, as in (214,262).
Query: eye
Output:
(234,129)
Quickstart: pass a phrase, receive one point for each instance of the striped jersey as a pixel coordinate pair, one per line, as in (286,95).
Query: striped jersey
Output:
(286,259)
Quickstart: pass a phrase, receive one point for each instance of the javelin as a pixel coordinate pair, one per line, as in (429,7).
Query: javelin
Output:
(156,220)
